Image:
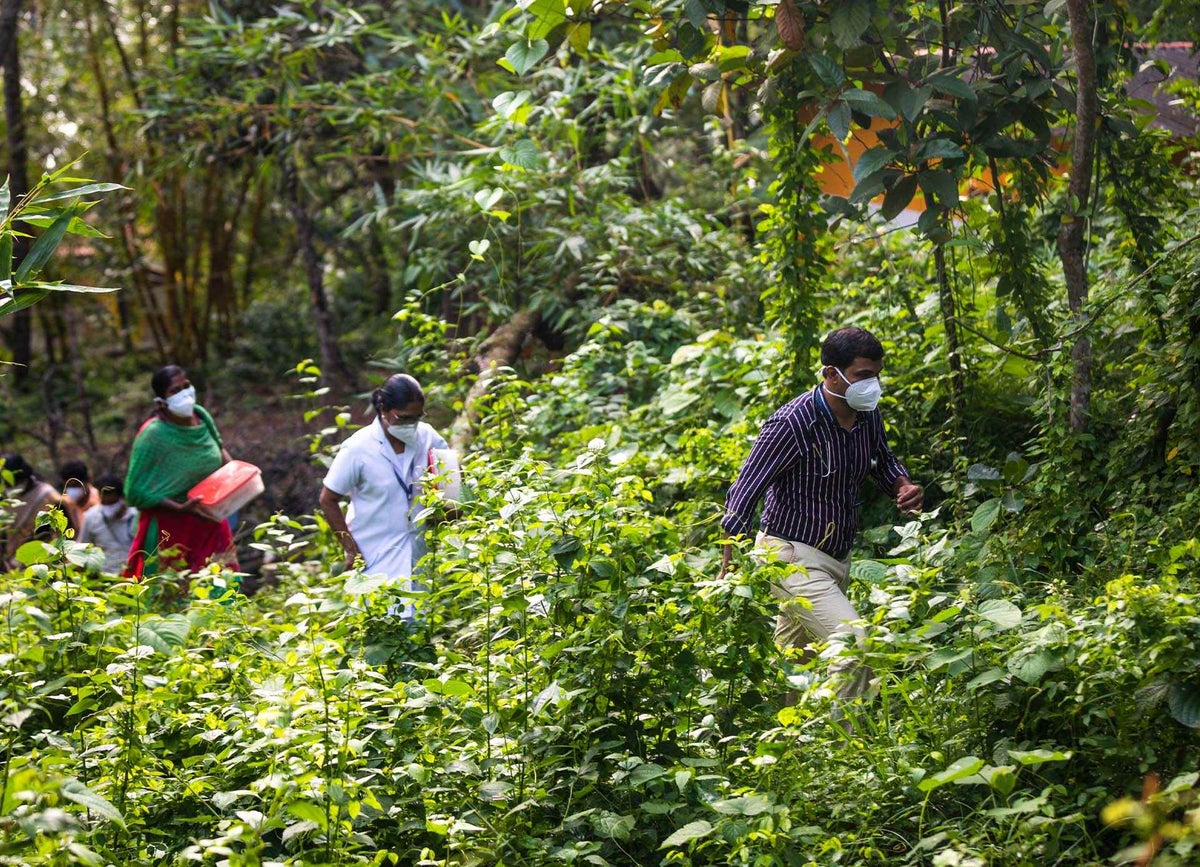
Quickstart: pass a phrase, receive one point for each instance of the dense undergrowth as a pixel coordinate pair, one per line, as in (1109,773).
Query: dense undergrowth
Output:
(582,690)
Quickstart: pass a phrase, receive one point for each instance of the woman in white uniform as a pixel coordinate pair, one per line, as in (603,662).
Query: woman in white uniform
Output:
(380,468)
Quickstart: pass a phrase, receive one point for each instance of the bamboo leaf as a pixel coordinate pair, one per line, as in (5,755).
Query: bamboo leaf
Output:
(43,248)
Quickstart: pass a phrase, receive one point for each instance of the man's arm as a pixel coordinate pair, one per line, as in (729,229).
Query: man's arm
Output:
(892,477)
(776,449)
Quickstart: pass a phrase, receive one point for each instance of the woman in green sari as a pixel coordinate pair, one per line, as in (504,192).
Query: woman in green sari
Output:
(174,450)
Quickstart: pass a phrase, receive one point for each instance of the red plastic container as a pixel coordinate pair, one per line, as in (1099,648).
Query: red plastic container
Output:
(229,488)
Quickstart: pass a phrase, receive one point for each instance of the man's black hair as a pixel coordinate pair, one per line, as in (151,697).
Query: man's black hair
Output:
(111,482)
(20,469)
(75,470)
(161,380)
(841,347)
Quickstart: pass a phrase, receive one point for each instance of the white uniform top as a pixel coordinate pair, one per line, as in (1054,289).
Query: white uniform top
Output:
(112,537)
(385,491)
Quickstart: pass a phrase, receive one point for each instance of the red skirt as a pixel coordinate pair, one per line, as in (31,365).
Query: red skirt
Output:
(180,541)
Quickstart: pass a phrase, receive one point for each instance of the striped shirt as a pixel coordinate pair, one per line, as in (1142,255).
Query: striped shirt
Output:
(811,468)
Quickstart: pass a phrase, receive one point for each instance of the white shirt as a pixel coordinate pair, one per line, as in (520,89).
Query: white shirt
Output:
(385,492)
(113,537)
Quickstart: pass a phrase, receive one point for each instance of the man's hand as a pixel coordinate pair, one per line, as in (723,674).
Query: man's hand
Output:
(726,559)
(909,497)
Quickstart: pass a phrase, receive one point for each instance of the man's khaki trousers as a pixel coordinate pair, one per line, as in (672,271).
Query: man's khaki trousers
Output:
(822,581)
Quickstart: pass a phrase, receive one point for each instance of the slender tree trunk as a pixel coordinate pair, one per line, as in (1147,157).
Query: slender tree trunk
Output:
(1072,236)
(20,335)
(499,350)
(332,365)
(950,324)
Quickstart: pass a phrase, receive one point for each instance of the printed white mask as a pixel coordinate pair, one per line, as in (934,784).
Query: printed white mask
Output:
(862,395)
(406,433)
(183,402)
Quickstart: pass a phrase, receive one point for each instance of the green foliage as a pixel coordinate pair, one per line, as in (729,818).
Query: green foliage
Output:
(56,204)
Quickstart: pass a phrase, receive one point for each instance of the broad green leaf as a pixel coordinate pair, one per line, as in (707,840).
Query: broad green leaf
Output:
(547,696)
(868,103)
(522,153)
(75,791)
(547,15)
(985,515)
(939,148)
(990,676)
(677,401)
(1032,667)
(828,70)
(644,773)
(307,811)
(32,553)
(164,634)
(690,41)
(689,832)
(359,584)
(495,790)
(869,571)
(948,83)
(899,197)
(6,255)
(839,120)
(964,767)
(746,805)
(1183,699)
(579,35)
(70,287)
(870,162)
(523,55)
(941,185)
(1001,612)
(848,21)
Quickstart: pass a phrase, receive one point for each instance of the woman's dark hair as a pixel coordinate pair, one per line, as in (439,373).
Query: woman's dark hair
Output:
(846,344)
(161,380)
(110,482)
(399,390)
(74,471)
(19,468)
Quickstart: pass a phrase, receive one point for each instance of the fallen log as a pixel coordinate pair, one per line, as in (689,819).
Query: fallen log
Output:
(500,349)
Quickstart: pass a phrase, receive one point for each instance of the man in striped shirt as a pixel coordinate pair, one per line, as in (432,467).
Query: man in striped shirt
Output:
(809,463)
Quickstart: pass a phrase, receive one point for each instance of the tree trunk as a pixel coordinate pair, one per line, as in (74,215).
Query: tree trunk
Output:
(950,324)
(332,365)
(20,335)
(499,350)
(1071,236)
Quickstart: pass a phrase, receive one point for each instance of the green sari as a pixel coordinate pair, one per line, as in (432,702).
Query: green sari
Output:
(167,461)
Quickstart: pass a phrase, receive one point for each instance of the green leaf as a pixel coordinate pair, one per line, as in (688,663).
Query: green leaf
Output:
(689,832)
(75,791)
(939,148)
(78,192)
(964,767)
(747,805)
(869,571)
(22,299)
(164,634)
(677,401)
(6,255)
(899,197)
(522,153)
(69,287)
(948,83)
(849,21)
(1032,667)
(644,773)
(32,553)
(870,162)
(1038,757)
(1001,612)
(44,248)
(985,515)
(827,70)
(1183,699)
(941,185)
(990,676)
(307,811)
(869,103)
(547,15)
(525,54)
(690,41)
(839,120)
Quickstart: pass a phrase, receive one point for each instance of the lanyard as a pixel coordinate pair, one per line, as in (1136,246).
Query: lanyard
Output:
(408,489)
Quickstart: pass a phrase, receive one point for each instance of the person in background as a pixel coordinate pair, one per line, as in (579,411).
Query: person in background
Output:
(174,450)
(35,497)
(809,461)
(74,480)
(111,525)
(380,468)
